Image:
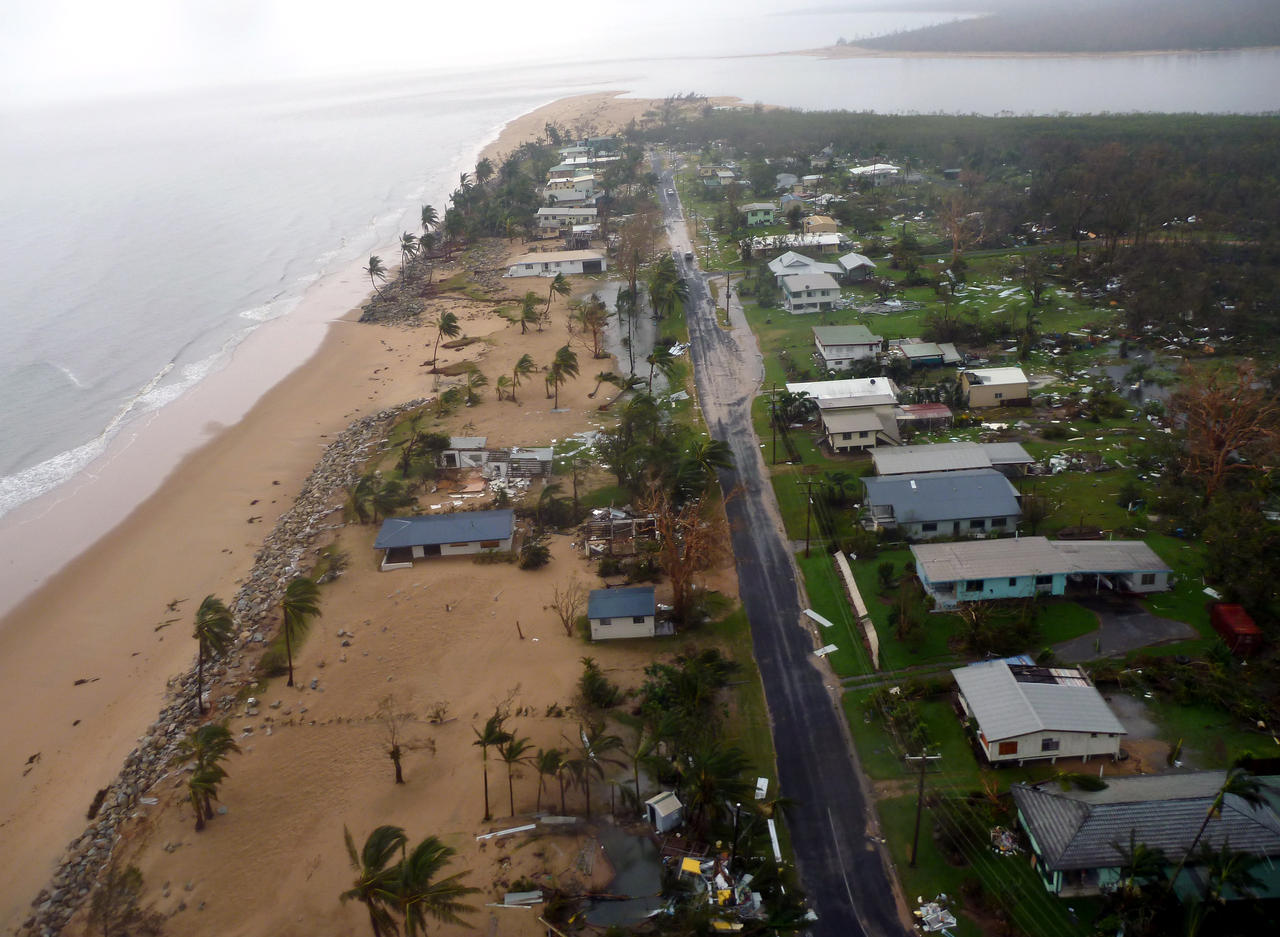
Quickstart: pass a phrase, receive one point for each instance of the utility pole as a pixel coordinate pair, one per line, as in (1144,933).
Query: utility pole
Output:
(808,507)
(924,760)
(773,420)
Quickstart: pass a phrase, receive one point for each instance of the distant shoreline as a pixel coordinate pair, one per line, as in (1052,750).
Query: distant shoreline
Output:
(852,51)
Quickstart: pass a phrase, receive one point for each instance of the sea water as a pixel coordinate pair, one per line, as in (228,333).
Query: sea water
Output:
(144,238)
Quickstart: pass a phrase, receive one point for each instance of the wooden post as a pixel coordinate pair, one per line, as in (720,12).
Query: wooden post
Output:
(915,838)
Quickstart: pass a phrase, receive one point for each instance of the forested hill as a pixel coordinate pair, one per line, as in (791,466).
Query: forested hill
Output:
(1097,26)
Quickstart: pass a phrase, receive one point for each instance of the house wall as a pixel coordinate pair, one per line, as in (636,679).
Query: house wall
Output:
(810,300)
(470,547)
(538,268)
(1134,582)
(995,395)
(755,218)
(951,594)
(1070,745)
(603,629)
(842,356)
(856,442)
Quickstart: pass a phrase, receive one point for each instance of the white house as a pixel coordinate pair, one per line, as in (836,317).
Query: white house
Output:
(809,292)
(549,263)
(405,539)
(878,173)
(856,266)
(995,387)
(465,452)
(622,613)
(841,345)
(1021,712)
(791,263)
(856,413)
(556,217)
(822,243)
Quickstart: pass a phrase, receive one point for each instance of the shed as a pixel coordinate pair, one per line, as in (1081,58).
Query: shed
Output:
(664,811)
(1235,626)
(622,613)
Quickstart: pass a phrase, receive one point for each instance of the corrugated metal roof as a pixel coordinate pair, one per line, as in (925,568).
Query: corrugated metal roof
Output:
(809,281)
(1006,453)
(621,603)
(1031,556)
(854,260)
(835,404)
(460,527)
(995,376)
(1119,556)
(844,335)
(850,387)
(861,419)
(944,496)
(467,442)
(948,457)
(1006,708)
(555,256)
(1081,829)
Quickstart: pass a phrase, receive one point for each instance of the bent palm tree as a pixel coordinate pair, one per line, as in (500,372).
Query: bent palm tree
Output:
(662,361)
(493,734)
(300,604)
(421,895)
(213,634)
(408,250)
(430,218)
(558,285)
(206,746)
(529,312)
(514,751)
(376,272)
(446,324)
(377,883)
(1238,783)
(548,762)
(522,369)
(563,367)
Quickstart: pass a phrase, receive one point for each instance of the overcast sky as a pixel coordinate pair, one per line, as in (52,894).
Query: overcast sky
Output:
(57,46)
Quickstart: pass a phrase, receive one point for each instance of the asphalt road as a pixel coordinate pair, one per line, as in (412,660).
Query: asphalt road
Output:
(840,864)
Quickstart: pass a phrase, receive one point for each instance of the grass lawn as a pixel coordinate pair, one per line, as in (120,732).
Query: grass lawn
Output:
(1186,601)
(933,647)
(827,598)
(1062,621)
(1211,738)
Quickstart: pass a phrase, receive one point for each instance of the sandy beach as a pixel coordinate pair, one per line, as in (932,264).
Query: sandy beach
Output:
(84,660)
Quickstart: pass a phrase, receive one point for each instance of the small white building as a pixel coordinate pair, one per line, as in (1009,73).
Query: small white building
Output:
(664,811)
(465,452)
(1022,712)
(405,539)
(822,243)
(549,263)
(622,613)
(809,292)
(841,345)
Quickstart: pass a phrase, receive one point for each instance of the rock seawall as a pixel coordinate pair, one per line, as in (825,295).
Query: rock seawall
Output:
(279,560)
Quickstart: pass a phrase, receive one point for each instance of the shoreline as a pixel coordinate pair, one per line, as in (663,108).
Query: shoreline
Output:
(88,654)
(854,51)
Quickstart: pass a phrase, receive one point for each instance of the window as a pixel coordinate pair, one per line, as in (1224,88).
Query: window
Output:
(973,585)
(1050,745)
(999,521)
(638,620)
(1013,580)
(1044,580)
(1007,748)
(605,622)
(999,396)
(846,435)
(862,434)
(978,525)
(1148,579)
(929,528)
(489,544)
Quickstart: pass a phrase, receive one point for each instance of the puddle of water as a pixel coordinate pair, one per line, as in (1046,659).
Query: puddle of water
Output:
(1133,715)
(637,868)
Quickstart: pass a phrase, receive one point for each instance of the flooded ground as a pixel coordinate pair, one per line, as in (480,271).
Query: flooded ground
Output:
(637,866)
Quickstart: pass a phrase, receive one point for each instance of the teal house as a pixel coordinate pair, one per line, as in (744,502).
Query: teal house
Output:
(759,213)
(1022,567)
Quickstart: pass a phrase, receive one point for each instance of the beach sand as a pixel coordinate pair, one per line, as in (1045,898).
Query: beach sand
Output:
(84,660)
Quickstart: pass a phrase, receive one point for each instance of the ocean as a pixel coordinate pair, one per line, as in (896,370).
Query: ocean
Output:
(145,237)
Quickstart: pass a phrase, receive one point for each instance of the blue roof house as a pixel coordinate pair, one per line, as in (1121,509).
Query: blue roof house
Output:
(972,503)
(405,539)
(622,613)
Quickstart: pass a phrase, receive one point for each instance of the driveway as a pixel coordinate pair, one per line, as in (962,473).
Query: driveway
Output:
(842,867)
(1125,626)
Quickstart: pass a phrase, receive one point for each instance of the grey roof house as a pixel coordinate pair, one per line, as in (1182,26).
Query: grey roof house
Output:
(970,503)
(1074,834)
(1020,712)
(841,345)
(1007,458)
(405,539)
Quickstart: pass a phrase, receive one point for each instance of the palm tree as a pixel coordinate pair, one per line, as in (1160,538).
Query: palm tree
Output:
(206,746)
(1238,783)
(592,756)
(446,324)
(640,746)
(484,170)
(378,876)
(563,367)
(430,218)
(712,775)
(213,634)
(529,312)
(522,368)
(502,385)
(661,360)
(420,895)
(408,248)
(376,272)
(514,751)
(475,381)
(548,762)
(558,285)
(360,498)
(300,604)
(493,734)
(601,377)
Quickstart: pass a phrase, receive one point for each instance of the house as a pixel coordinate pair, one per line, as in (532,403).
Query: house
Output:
(1009,459)
(664,811)
(520,462)
(811,180)
(995,387)
(580,236)
(464,452)
(970,503)
(791,263)
(809,292)
(1236,628)
(856,267)
(841,345)
(556,217)
(921,354)
(821,243)
(819,224)
(953,573)
(1074,834)
(1020,712)
(405,539)
(622,613)
(867,427)
(759,213)
(879,173)
(549,263)
(566,198)
(846,393)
